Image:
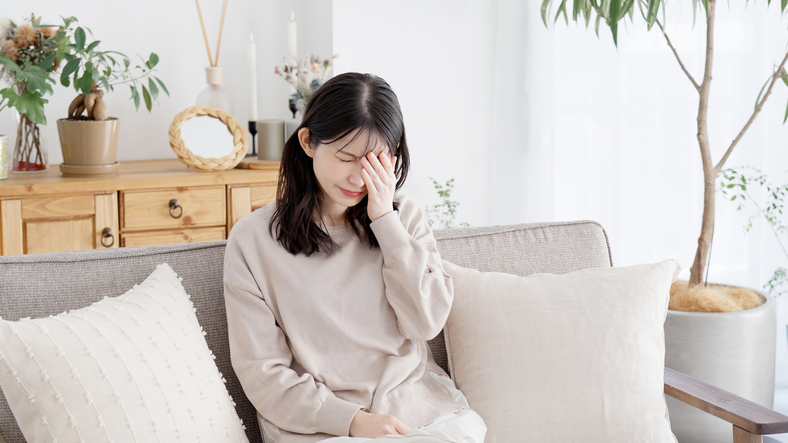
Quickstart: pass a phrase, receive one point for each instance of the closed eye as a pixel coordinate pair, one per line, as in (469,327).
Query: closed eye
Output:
(343,160)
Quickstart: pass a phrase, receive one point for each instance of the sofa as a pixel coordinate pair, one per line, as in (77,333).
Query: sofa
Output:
(47,284)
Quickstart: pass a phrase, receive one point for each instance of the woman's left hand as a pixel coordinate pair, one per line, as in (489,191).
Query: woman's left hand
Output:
(378,175)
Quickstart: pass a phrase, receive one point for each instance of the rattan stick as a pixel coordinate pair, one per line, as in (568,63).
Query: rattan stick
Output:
(221,26)
(204,35)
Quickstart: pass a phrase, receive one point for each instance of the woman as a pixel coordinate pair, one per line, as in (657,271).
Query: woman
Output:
(333,290)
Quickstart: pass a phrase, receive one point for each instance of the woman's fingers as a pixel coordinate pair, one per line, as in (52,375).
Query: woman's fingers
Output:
(381,182)
(374,168)
(368,181)
(402,428)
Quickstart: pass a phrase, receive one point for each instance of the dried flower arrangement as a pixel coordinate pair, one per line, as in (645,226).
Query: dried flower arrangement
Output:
(31,53)
(27,59)
(305,76)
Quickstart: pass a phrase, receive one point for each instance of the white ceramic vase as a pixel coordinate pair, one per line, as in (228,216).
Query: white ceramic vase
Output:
(734,351)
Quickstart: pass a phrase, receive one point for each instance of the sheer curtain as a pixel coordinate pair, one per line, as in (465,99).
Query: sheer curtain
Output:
(540,124)
(612,137)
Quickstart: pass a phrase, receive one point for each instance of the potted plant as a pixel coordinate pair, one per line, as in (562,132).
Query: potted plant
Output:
(88,137)
(443,214)
(734,186)
(732,350)
(27,63)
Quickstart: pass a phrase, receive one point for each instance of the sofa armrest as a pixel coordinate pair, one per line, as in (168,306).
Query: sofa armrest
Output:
(749,419)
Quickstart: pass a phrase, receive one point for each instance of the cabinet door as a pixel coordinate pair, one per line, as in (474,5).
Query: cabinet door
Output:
(242,200)
(59,223)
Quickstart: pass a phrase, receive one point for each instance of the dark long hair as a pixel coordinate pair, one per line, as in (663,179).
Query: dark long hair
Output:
(344,104)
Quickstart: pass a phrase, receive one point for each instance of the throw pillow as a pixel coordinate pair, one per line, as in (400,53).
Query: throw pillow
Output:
(130,368)
(573,357)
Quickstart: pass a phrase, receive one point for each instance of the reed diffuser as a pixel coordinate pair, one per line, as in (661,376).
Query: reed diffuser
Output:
(214,95)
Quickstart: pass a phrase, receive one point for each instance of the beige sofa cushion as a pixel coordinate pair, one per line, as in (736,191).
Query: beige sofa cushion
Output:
(130,368)
(573,357)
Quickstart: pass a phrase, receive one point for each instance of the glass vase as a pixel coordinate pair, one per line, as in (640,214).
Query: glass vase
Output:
(30,154)
(215,95)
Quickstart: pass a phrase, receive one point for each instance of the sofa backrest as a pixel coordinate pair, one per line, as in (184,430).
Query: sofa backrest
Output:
(47,284)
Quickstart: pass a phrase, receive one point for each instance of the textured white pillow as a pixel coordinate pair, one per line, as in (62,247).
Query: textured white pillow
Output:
(130,368)
(573,357)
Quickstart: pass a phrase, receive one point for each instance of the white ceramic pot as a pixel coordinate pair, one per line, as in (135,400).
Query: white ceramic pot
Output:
(733,351)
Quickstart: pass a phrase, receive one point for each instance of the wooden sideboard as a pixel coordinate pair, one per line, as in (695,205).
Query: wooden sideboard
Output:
(149,202)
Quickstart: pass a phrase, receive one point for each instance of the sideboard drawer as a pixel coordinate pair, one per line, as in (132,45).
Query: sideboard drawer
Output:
(192,235)
(172,208)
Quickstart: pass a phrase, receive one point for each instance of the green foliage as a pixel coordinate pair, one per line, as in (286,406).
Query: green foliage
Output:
(734,186)
(613,11)
(73,49)
(443,215)
(87,65)
(30,103)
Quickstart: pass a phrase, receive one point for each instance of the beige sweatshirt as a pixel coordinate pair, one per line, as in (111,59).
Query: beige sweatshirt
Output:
(315,339)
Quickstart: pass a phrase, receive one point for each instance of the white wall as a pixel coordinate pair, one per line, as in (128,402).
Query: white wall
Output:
(433,54)
(172,30)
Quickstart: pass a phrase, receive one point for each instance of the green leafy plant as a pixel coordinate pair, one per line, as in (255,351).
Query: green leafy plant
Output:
(734,186)
(29,65)
(28,61)
(443,214)
(612,12)
(88,69)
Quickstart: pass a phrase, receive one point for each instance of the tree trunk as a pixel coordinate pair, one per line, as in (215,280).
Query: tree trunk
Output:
(709,171)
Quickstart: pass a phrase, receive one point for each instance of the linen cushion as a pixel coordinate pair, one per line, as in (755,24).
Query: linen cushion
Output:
(130,368)
(572,357)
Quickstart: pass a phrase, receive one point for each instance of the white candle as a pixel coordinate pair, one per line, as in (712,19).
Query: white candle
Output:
(292,45)
(252,63)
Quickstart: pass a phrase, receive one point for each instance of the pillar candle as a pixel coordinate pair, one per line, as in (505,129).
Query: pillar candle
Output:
(270,139)
(292,44)
(290,126)
(252,64)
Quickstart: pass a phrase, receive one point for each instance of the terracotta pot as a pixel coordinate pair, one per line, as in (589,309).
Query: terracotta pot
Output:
(88,143)
(734,351)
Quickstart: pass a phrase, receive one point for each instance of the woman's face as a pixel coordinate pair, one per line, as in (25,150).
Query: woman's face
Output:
(337,167)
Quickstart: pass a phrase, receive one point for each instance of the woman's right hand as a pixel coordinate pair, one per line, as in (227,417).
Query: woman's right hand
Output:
(369,425)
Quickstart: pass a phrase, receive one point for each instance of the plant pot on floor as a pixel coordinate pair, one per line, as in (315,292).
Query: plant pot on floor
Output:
(734,351)
(89,147)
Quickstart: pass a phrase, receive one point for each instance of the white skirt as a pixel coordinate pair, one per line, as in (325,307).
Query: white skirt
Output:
(465,426)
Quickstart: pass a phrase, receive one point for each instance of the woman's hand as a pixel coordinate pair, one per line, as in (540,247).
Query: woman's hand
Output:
(378,175)
(369,425)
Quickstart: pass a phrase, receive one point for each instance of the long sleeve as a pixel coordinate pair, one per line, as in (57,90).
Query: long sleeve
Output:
(262,359)
(417,288)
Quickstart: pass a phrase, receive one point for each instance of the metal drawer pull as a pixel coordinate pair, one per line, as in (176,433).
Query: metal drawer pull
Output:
(107,233)
(174,204)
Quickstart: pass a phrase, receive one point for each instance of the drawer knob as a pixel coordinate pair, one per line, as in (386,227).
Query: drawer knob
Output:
(175,205)
(107,234)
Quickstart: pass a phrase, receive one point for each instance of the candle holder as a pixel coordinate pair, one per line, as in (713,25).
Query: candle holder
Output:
(291,102)
(253,131)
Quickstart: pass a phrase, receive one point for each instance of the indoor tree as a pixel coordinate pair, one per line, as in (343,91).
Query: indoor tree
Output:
(612,12)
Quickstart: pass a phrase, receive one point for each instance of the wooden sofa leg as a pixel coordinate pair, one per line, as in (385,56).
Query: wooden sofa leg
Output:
(742,436)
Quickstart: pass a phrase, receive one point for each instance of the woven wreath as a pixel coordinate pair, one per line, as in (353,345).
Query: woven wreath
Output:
(240,140)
